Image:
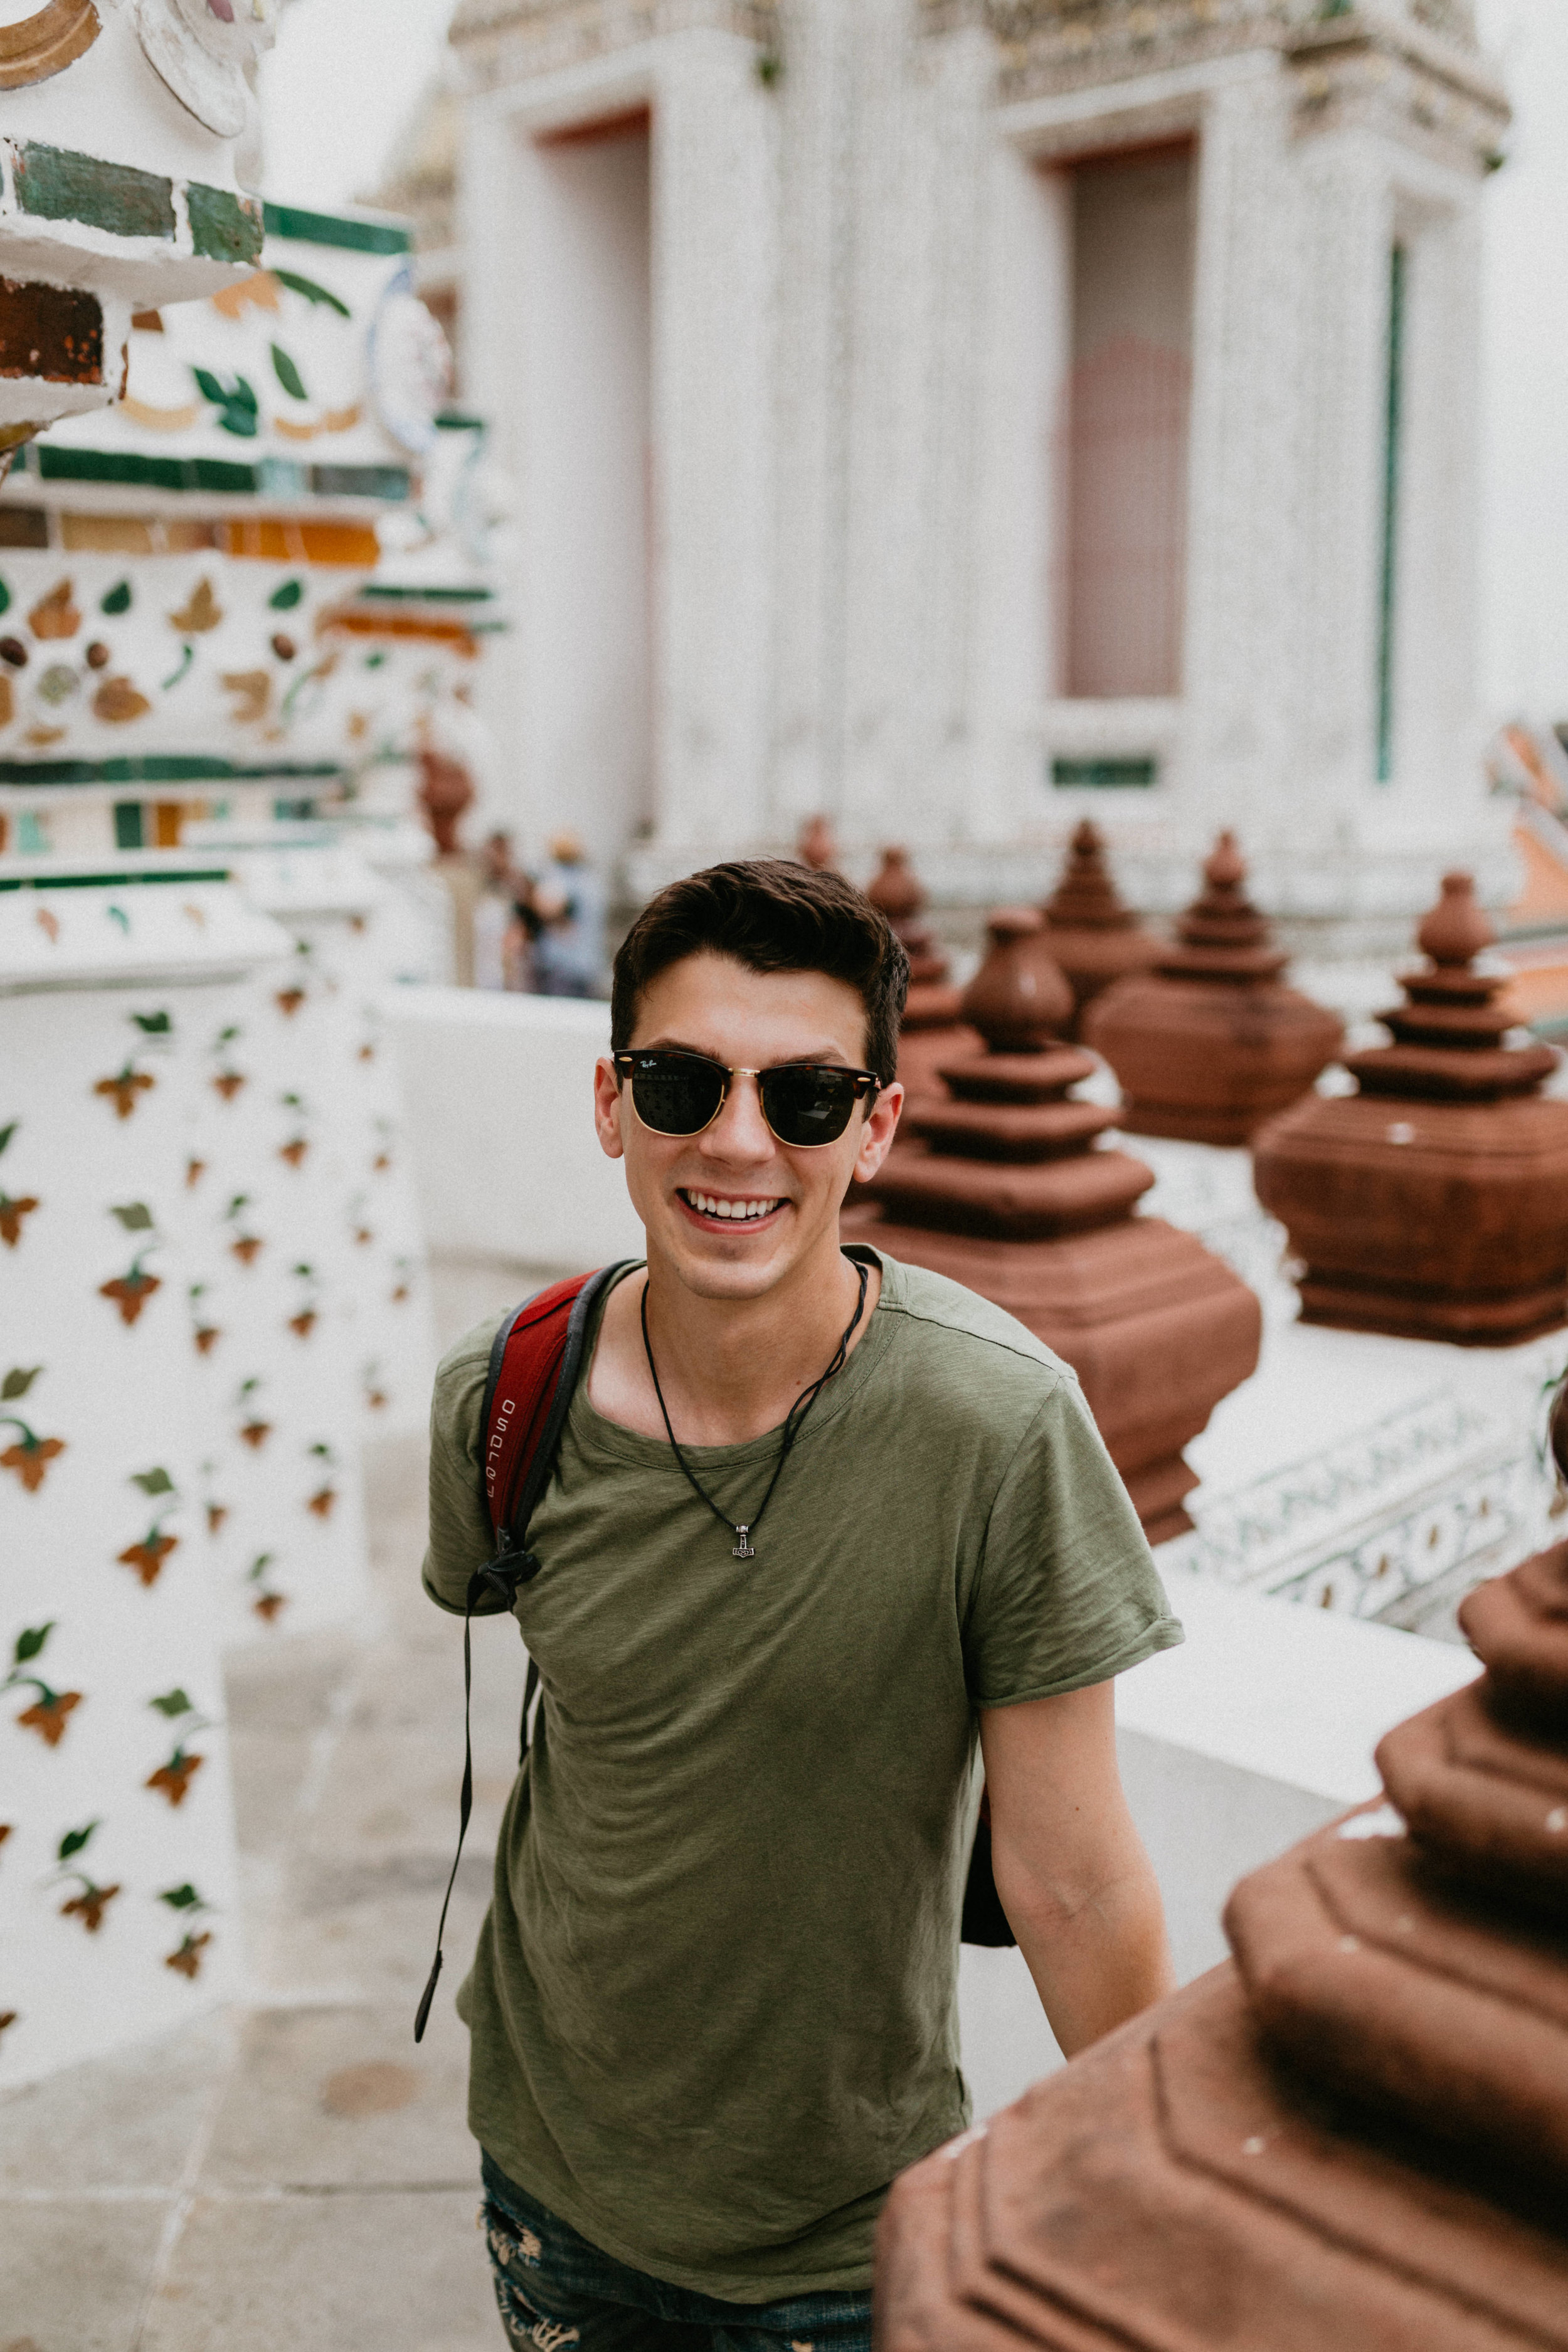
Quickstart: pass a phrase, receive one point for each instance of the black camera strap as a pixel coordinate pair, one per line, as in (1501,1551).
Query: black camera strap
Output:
(540,1370)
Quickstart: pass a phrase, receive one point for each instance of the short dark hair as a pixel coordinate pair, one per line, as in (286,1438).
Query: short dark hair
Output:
(769,915)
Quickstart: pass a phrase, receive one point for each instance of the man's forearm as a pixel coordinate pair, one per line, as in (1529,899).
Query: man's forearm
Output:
(1079,1890)
(1098,1955)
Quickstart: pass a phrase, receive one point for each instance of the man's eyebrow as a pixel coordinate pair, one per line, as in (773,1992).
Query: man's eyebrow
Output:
(827,1053)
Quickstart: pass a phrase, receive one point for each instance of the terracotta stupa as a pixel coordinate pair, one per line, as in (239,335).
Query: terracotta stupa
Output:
(1092,936)
(932,1031)
(1211,1042)
(1355,2137)
(1434,1203)
(999,1185)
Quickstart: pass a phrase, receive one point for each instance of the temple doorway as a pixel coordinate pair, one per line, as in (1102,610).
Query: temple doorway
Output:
(1122,426)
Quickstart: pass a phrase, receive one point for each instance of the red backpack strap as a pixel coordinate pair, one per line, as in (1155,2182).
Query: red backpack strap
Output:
(535,1359)
(526,1357)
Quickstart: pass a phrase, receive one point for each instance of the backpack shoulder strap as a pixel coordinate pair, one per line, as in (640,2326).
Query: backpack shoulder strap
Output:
(535,1361)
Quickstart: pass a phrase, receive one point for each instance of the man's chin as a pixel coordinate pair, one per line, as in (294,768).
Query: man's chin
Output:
(723,1264)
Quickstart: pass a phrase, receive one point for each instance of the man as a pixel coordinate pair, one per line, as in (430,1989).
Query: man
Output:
(812,1519)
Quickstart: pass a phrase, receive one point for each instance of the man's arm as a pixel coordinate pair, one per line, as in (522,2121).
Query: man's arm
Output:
(1079,1890)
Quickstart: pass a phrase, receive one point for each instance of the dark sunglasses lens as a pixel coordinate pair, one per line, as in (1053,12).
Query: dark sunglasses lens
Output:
(674,1095)
(805,1107)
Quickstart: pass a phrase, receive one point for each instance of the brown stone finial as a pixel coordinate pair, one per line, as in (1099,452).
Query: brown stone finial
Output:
(1094,936)
(932,1030)
(1018,999)
(1223,935)
(896,888)
(1002,1188)
(1433,1202)
(1085,897)
(817,846)
(1356,2135)
(1455,930)
(1211,1042)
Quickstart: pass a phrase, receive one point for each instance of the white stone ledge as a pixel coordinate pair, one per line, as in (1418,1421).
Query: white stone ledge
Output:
(499,1096)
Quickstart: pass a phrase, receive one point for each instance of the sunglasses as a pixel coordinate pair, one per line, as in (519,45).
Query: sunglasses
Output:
(804,1103)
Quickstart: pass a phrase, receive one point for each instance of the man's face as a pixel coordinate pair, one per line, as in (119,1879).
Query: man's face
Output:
(746,1020)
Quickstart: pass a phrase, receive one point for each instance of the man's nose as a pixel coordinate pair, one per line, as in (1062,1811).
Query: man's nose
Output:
(739,1132)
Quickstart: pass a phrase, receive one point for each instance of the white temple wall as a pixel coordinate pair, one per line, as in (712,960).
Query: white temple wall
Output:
(715,218)
(1346,227)
(912,188)
(1374,842)
(1017,523)
(624,342)
(1438,720)
(863,310)
(807,414)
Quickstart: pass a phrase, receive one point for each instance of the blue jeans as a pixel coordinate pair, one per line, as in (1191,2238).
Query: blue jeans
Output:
(557,2294)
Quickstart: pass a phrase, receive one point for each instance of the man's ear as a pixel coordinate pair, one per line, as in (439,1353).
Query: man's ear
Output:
(877,1132)
(607,1102)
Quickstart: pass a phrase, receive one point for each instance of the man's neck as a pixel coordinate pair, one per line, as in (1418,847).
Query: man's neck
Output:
(729,1367)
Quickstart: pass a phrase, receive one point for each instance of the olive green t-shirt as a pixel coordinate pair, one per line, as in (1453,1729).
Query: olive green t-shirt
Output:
(713,2005)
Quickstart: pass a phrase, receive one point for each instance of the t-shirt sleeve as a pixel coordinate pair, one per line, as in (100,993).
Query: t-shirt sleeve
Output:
(1066,1592)
(460,1538)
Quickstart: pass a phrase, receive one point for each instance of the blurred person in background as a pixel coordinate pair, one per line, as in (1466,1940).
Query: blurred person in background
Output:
(569,899)
(507,919)
(495,914)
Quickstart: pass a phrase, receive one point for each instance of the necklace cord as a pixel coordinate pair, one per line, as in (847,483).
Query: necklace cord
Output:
(792,1418)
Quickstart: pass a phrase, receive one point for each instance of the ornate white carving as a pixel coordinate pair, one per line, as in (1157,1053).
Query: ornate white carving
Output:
(410,366)
(201,49)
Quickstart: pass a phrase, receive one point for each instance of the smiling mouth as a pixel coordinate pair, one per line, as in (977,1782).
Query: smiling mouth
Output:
(721,1208)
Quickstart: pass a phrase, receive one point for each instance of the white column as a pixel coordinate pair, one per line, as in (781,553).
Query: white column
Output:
(1239,755)
(1025,353)
(714,282)
(923,194)
(819,124)
(118,1913)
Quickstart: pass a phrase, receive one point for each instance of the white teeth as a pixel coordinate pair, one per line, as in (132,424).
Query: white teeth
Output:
(708,1205)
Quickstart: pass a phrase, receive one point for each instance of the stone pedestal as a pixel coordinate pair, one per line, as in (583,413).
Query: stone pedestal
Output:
(1093,938)
(1432,1203)
(932,1032)
(118,1895)
(1001,1190)
(1211,1042)
(1357,2133)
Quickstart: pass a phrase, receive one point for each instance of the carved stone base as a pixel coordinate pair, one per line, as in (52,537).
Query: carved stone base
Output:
(1427,1220)
(1394,1988)
(1205,1062)
(1173,2191)
(1156,1328)
(1414,1314)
